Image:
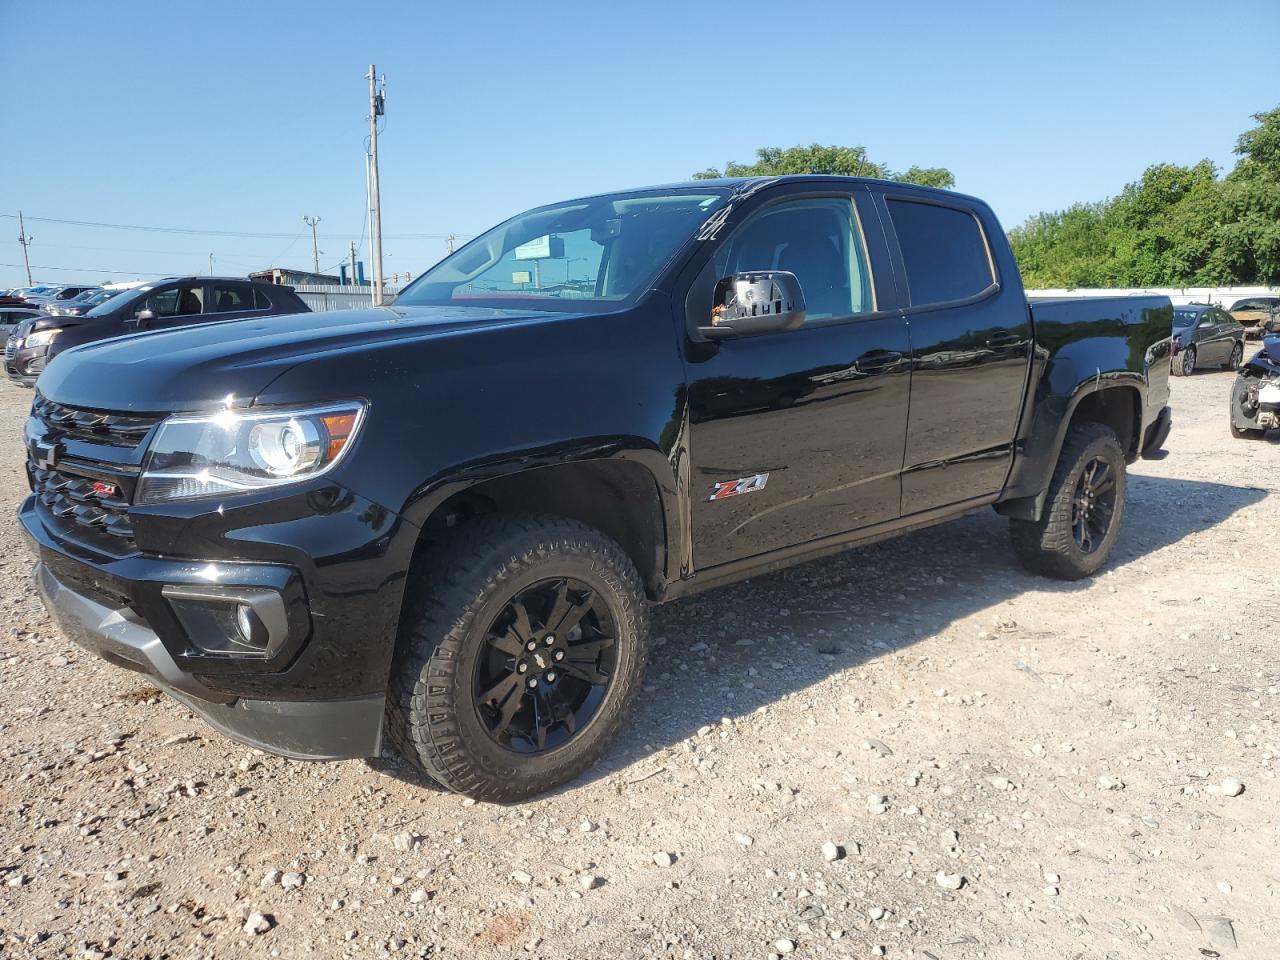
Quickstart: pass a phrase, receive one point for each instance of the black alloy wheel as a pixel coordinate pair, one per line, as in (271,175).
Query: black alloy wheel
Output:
(522,648)
(547,667)
(1093,505)
(1083,510)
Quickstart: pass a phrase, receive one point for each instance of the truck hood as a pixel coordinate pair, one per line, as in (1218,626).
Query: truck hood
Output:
(198,367)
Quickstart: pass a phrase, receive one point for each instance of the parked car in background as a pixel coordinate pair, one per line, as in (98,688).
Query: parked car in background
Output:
(437,525)
(163,305)
(1205,336)
(78,306)
(11,317)
(62,293)
(1258,315)
(22,296)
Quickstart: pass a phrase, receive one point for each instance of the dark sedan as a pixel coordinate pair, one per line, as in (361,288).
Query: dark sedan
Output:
(164,305)
(1205,336)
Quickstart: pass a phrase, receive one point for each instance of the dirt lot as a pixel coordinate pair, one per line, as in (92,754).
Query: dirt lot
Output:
(1060,751)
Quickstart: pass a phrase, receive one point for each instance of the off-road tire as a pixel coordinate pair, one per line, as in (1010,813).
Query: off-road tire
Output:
(1047,546)
(454,593)
(1179,365)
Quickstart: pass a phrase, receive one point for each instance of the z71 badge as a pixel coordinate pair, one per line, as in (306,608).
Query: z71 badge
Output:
(732,488)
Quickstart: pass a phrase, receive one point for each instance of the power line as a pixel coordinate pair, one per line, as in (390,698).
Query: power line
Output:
(131,273)
(241,234)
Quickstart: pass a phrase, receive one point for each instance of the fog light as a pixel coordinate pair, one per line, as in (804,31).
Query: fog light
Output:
(251,629)
(230,621)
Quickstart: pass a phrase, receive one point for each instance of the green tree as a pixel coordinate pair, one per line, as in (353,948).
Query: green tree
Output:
(1176,226)
(830,160)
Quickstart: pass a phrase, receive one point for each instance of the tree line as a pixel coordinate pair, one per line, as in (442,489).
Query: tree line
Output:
(1177,226)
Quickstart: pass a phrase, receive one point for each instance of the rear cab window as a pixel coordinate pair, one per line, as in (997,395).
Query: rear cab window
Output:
(944,251)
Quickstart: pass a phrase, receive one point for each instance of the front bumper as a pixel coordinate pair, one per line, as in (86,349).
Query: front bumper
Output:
(22,366)
(117,610)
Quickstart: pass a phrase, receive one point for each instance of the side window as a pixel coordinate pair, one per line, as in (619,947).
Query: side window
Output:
(228,297)
(943,250)
(164,303)
(180,301)
(260,299)
(819,241)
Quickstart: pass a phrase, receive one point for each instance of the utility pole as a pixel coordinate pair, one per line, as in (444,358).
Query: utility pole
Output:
(376,110)
(211,264)
(353,263)
(449,242)
(25,241)
(315,250)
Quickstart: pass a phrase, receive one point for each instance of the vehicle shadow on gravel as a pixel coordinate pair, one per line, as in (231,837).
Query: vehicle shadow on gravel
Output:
(727,652)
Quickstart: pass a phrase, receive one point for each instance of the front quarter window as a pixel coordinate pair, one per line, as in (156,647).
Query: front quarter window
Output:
(579,254)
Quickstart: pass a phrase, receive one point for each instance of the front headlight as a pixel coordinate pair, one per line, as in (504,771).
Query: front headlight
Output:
(234,451)
(41,338)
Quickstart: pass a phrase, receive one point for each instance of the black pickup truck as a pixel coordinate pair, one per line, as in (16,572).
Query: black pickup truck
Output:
(438,525)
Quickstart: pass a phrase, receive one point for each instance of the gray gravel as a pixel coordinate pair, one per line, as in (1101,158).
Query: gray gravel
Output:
(1005,767)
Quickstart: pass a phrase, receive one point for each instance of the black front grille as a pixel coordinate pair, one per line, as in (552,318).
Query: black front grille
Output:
(93,426)
(84,465)
(95,506)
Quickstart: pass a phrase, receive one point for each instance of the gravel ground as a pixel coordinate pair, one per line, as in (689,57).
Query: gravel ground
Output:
(915,750)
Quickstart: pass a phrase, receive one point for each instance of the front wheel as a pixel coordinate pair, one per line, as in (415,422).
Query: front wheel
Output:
(521,651)
(1082,514)
(1186,365)
(1237,355)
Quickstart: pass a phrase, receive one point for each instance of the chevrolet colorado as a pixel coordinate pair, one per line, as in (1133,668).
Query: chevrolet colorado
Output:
(438,525)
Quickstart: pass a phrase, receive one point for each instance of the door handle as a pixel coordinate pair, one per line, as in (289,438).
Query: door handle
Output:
(874,360)
(1003,338)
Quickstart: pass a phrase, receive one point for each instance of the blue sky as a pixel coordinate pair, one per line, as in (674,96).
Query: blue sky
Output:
(242,117)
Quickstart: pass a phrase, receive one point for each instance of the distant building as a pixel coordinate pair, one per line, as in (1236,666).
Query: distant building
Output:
(293,277)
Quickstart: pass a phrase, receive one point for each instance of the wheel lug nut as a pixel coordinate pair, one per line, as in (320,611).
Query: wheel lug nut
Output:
(550,639)
(559,654)
(533,682)
(531,645)
(522,668)
(551,676)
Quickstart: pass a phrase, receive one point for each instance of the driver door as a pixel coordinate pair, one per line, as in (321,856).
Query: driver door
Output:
(799,435)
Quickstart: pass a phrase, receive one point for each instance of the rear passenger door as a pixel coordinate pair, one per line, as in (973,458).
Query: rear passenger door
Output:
(970,335)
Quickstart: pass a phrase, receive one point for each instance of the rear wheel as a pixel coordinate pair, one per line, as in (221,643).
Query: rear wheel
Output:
(1082,514)
(521,651)
(1185,365)
(1237,354)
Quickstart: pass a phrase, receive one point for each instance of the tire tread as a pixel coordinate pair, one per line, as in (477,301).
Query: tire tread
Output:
(1047,546)
(447,589)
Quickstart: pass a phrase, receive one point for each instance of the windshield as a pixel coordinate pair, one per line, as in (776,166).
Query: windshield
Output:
(1185,318)
(112,304)
(569,255)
